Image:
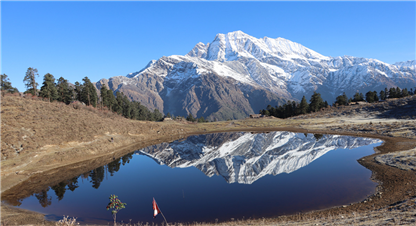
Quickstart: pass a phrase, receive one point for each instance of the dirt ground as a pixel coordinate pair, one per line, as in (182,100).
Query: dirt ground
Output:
(41,139)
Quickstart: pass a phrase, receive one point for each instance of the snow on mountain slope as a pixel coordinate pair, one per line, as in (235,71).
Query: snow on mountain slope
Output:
(282,67)
(410,64)
(249,73)
(245,157)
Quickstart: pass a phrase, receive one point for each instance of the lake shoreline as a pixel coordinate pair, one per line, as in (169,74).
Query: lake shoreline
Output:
(386,177)
(96,147)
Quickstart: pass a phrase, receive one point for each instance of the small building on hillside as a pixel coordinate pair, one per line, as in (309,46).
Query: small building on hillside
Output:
(255,115)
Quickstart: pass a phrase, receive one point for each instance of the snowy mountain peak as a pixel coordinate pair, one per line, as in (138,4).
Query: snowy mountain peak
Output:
(410,64)
(237,44)
(255,69)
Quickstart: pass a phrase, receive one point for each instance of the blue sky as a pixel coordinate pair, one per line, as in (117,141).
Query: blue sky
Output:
(106,39)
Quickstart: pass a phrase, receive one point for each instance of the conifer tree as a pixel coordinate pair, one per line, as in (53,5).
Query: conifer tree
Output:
(89,93)
(30,80)
(398,92)
(6,85)
(382,95)
(392,93)
(316,102)
(126,107)
(376,99)
(158,115)
(201,119)
(64,91)
(405,93)
(48,89)
(190,118)
(342,99)
(358,97)
(103,95)
(303,107)
(78,91)
(111,100)
(118,105)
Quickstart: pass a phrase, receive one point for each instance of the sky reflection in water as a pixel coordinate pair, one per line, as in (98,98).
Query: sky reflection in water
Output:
(243,188)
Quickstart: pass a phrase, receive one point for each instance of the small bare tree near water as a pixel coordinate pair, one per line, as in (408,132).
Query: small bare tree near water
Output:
(115,205)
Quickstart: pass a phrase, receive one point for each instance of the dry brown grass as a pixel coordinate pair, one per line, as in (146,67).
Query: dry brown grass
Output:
(37,134)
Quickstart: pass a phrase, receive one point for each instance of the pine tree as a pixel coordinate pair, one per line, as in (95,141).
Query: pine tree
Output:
(376,99)
(118,105)
(392,93)
(89,93)
(342,99)
(78,90)
(405,93)
(382,95)
(159,116)
(103,95)
(64,91)
(126,107)
(111,100)
(358,97)
(190,118)
(369,97)
(303,106)
(48,89)
(316,102)
(398,93)
(30,80)
(6,85)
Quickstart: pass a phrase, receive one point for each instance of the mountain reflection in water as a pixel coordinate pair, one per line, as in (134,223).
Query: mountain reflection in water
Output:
(240,158)
(246,157)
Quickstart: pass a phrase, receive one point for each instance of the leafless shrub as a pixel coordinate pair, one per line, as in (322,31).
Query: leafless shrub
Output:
(66,221)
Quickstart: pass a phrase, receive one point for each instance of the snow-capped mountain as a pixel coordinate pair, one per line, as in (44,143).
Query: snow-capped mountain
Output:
(245,157)
(237,74)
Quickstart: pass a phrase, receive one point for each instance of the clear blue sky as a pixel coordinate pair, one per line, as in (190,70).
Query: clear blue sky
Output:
(105,39)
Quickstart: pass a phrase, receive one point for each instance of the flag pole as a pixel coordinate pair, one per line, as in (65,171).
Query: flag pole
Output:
(163,217)
(161,212)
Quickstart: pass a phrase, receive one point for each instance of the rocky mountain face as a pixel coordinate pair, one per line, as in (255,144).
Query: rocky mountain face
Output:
(245,157)
(238,74)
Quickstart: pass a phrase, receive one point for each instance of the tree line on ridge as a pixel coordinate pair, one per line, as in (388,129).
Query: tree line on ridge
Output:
(62,91)
(292,108)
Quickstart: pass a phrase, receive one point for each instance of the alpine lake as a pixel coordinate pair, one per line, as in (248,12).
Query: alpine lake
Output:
(214,178)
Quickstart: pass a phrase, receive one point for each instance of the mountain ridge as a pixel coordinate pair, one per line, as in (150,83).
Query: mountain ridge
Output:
(278,68)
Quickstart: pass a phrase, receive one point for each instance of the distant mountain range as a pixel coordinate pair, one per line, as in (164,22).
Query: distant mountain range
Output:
(245,157)
(237,75)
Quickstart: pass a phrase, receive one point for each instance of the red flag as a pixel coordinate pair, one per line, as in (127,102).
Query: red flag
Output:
(156,209)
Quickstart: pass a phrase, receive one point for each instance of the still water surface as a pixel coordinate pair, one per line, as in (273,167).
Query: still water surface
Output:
(218,177)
